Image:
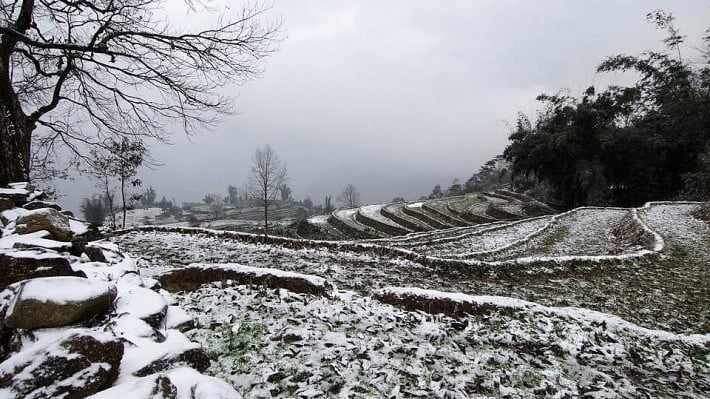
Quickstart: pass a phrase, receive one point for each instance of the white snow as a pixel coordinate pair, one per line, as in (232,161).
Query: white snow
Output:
(139,302)
(318,219)
(145,351)
(35,239)
(62,289)
(374,212)
(13,191)
(77,227)
(572,312)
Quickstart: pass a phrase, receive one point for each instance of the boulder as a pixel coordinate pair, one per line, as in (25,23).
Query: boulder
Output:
(75,365)
(18,196)
(45,219)
(80,241)
(195,358)
(58,301)
(5,204)
(142,303)
(156,386)
(20,265)
(95,254)
(36,204)
(179,319)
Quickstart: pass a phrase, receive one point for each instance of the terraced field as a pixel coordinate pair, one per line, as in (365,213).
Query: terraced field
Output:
(597,302)
(387,220)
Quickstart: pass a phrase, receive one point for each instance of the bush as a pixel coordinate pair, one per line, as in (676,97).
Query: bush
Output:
(94,210)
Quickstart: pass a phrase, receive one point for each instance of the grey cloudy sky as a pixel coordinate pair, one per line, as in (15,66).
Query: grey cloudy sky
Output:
(396,96)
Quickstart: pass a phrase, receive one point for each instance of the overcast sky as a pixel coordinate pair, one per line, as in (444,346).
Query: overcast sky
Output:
(396,96)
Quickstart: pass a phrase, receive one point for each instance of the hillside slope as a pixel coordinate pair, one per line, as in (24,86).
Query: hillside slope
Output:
(646,265)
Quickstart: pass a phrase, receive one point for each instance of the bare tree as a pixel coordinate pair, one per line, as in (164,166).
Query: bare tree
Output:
(349,197)
(120,160)
(267,175)
(74,73)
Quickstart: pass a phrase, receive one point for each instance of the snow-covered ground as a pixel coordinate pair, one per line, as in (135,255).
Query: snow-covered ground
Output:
(488,239)
(275,343)
(268,342)
(373,212)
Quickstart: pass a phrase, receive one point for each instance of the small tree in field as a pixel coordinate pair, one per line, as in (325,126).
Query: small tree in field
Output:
(349,197)
(267,175)
(117,159)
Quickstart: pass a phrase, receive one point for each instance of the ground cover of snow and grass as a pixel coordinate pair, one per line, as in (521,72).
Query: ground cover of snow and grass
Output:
(396,210)
(347,217)
(487,237)
(461,204)
(582,232)
(271,342)
(374,212)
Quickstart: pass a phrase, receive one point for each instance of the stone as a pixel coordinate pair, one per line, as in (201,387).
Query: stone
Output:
(58,301)
(151,387)
(33,205)
(144,304)
(195,358)
(20,265)
(5,204)
(47,219)
(73,366)
(80,241)
(95,254)
(178,319)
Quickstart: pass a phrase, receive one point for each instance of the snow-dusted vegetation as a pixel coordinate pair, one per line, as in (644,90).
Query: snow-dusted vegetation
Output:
(609,323)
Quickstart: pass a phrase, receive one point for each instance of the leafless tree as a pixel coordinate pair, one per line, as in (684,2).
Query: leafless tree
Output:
(117,160)
(267,175)
(349,197)
(76,72)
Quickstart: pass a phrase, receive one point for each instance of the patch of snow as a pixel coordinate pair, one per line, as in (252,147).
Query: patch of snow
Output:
(77,227)
(62,289)
(35,239)
(318,219)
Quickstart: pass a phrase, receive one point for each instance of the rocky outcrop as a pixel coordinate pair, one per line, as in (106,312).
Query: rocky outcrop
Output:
(36,204)
(47,219)
(144,304)
(192,277)
(5,204)
(58,301)
(21,265)
(74,366)
(195,358)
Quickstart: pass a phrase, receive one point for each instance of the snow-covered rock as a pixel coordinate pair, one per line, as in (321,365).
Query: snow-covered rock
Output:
(58,301)
(20,265)
(48,219)
(142,303)
(191,277)
(154,386)
(73,365)
(147,357)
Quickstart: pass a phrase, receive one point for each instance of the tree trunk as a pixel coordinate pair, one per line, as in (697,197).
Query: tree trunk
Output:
(266,215)
(15,141)
(123,200)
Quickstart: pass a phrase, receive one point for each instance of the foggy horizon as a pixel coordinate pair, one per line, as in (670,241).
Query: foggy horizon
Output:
(395,98)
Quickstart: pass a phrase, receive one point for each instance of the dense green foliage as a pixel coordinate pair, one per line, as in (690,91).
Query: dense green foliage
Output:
(624,145)
(94,209)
